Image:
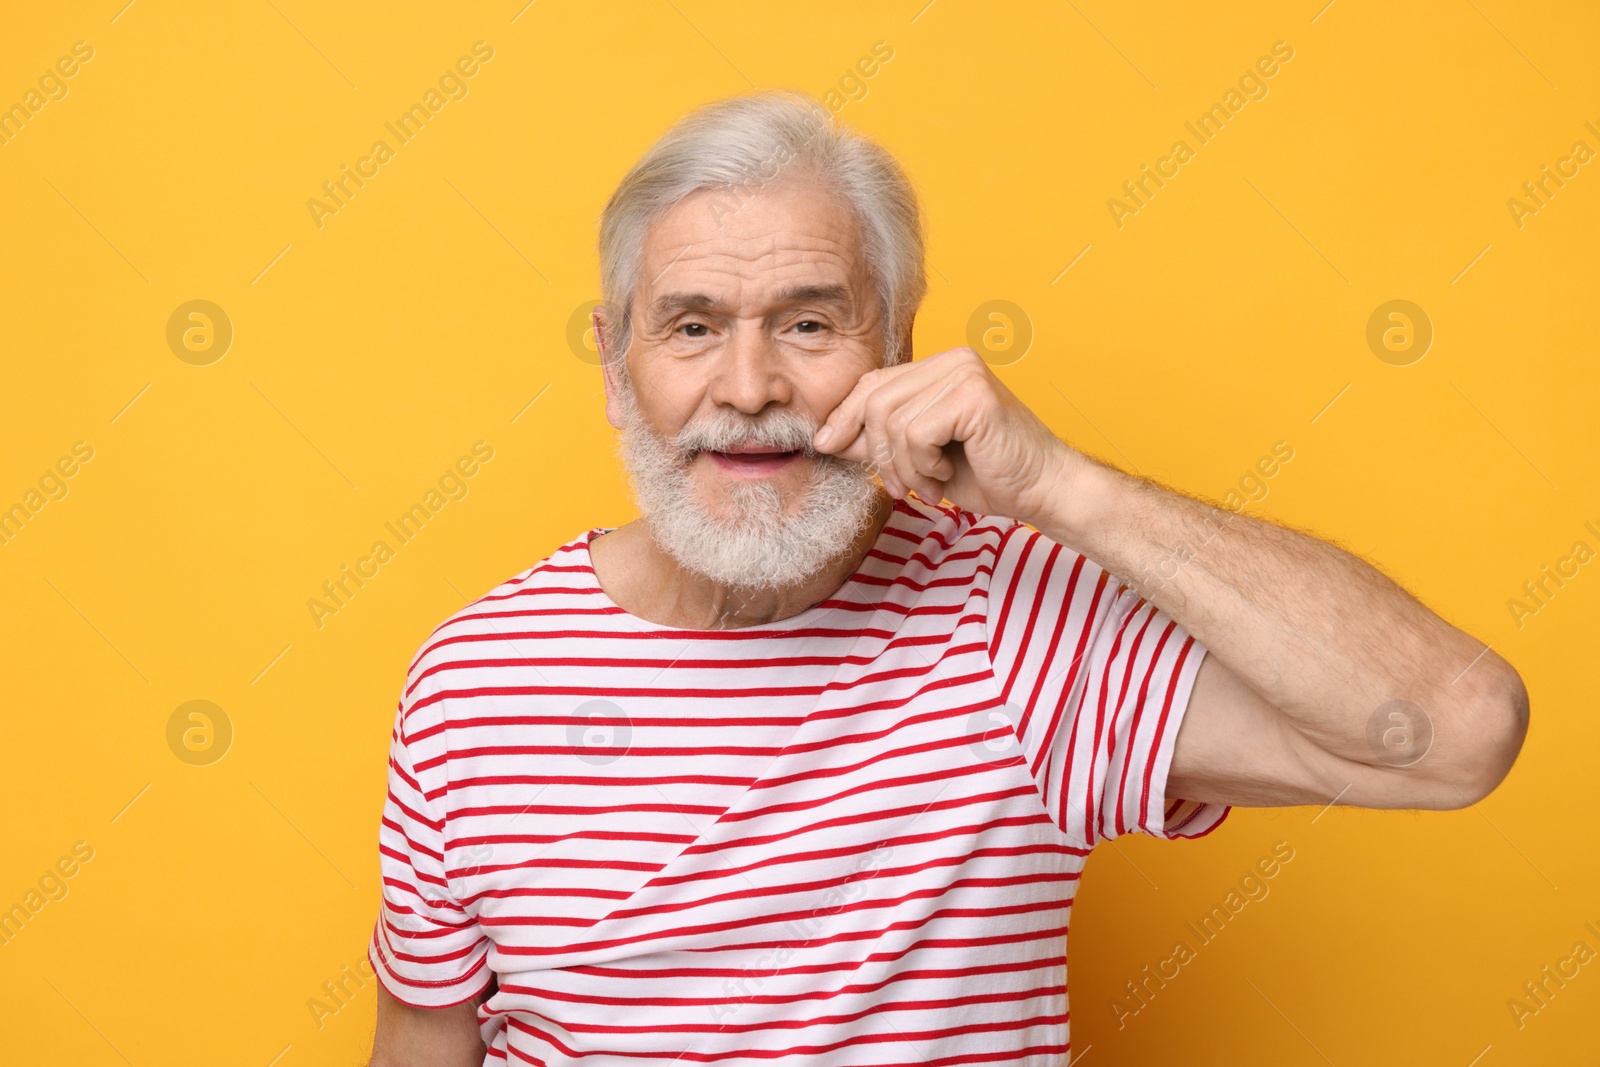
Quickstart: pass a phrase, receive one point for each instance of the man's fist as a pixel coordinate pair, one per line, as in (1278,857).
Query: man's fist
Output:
(946,428)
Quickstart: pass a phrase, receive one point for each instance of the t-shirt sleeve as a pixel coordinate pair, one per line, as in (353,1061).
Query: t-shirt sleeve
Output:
(1095,681)
(427,950)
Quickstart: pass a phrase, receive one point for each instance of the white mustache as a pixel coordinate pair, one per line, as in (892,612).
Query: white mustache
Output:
(791,432)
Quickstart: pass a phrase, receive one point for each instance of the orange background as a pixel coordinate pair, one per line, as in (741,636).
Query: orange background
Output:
(431,312)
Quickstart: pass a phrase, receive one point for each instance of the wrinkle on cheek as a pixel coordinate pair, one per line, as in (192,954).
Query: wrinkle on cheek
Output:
(662,399)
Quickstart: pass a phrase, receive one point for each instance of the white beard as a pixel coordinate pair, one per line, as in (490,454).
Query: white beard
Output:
(762,548)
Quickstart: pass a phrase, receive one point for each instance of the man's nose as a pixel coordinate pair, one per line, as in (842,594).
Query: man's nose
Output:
(749,372)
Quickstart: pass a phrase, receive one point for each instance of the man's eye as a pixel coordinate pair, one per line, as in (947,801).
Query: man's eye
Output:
(808,322)
(693,326)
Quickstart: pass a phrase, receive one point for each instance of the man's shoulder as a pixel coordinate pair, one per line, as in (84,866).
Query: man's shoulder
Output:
(558,583)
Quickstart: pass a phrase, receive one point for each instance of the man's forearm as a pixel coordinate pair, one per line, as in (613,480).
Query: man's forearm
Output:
(1316,632)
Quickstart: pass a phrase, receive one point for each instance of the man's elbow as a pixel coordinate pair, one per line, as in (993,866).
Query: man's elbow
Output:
(1499,725)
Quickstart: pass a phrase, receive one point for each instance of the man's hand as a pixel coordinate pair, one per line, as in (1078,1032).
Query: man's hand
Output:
(947,428)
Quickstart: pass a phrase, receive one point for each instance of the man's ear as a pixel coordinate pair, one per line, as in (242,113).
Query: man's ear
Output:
(608,371)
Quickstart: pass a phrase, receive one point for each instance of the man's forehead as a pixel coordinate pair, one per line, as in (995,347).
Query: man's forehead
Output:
(792,211)
(788,246)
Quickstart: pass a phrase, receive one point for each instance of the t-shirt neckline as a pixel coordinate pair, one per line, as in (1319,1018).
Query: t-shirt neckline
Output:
(826,606)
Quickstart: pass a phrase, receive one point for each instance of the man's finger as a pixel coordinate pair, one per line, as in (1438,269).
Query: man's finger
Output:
(917,434)
(846,421)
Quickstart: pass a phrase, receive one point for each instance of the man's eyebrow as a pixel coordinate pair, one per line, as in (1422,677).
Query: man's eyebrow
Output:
(668,304)
(813,294)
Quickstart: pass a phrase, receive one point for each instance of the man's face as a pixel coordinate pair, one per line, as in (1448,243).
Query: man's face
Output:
(754,318)
(749,303)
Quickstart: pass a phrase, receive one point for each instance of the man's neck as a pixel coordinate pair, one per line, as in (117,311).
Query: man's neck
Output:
(642,579)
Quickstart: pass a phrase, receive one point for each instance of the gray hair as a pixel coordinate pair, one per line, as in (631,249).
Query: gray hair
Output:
(745,142)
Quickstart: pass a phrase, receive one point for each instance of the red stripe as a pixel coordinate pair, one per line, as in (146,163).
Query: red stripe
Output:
(1146,751)
(1093,783)
(1130,752)
(1161,726)
(1068,608)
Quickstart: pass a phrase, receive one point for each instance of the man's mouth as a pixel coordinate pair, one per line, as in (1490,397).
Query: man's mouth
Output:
(755,460)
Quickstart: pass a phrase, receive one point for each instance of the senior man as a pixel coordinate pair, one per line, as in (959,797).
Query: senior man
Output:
(803,764)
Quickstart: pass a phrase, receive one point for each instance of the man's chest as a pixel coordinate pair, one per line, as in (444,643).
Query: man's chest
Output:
(592,817)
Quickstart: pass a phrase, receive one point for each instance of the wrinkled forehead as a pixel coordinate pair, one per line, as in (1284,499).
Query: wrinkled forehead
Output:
(744,250)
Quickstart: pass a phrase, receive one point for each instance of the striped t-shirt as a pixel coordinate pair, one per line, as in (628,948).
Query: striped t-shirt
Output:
(851,836)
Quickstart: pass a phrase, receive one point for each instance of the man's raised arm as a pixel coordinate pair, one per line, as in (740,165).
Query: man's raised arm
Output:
(1316,662)
(1324,680)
